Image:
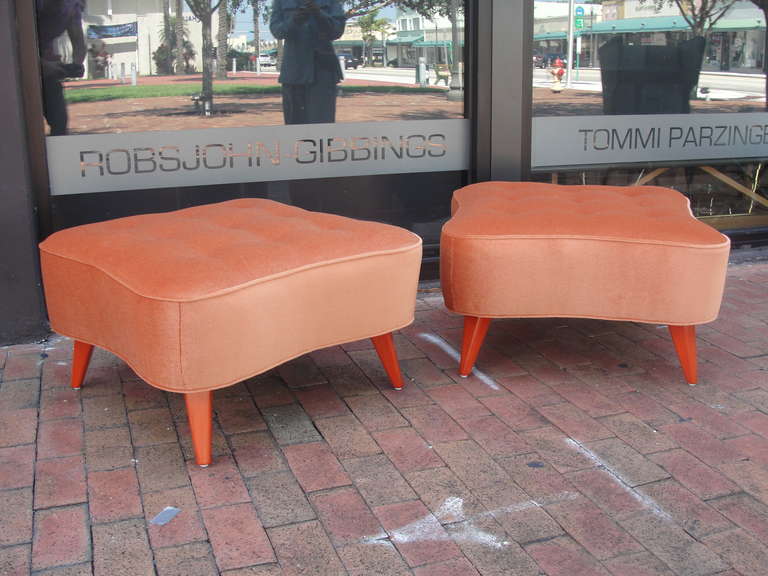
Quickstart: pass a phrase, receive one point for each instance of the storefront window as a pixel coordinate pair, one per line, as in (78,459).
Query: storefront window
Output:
(147,93)
(642,92)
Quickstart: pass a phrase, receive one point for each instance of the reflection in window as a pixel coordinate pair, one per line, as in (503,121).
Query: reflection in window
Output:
(205,63)
(640,57)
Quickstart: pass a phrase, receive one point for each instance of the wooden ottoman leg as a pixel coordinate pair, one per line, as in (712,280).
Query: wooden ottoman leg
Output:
(684,338)
(475,330)
(385,348)
(199,413)
(81,357)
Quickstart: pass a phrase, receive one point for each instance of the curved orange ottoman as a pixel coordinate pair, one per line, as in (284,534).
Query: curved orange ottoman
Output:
(206,297)
(522,249)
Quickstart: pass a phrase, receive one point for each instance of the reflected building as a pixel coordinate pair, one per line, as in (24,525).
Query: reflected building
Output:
(130,31)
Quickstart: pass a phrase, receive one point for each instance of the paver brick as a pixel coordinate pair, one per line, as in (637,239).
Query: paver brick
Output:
(315,466)
(347,437)
(279,499)
(407,450)
(185,527)
(538,478)
(381,559)
(321,401)
(256,452)
(346,517)
(59,482)
(150,427)
(631,466)
(18,427)
(16,515)
(642,564)
(238,414)
(113,495)
(748,556)
(138,395)
(638,434)
(161,467)
(453,567)
(60,438)
(563,557)
(14,561)
(219,484)
(349,380)
(494,436)
(574,422)
(300,372)
(17,466)
(378,480)
(188,560)
(237,537)
(375,412)
(684,555)
(746,512)
(514,412)
(104,412)
(485,543)
(607,491)
(702,480)
(446,496)
(434,424)
(18,394)
(416,533)
(289,424)
(56,403)
(305,550)
(591,528)
(61,537)
(122,549)
(557,449)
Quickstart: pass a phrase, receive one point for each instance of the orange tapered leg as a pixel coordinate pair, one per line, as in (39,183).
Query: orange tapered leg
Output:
(81,357)
(475,330)
(385,348)
(199,413)
(684,338)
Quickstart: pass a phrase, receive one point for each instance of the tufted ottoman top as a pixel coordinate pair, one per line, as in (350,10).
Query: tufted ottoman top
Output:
(517,249)
(213,249)
(526,209)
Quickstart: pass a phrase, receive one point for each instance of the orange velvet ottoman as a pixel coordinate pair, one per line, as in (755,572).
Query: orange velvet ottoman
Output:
(206,297)
(521,249)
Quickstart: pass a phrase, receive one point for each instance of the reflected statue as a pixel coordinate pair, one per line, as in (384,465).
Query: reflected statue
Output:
(310,69)
(54,17)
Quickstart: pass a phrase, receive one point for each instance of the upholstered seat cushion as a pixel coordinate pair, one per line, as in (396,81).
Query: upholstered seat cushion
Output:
(204,297)
(517,249)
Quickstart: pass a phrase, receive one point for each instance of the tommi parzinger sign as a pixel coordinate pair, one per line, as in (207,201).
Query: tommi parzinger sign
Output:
(593,140)
(105,162)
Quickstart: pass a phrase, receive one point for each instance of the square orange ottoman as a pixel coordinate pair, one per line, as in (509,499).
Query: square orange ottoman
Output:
(205,297)
(522,249)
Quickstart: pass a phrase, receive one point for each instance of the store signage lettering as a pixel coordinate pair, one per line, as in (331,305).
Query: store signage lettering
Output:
(621,140)
(106,162)
(144,160)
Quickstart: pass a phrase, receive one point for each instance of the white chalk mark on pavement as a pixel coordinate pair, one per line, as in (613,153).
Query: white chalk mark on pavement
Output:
(448,349)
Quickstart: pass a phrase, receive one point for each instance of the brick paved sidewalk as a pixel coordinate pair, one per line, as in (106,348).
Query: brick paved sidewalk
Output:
(577,450)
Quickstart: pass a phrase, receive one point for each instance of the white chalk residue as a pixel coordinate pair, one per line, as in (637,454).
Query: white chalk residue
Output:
(448,349)
(646,501)
(451,506)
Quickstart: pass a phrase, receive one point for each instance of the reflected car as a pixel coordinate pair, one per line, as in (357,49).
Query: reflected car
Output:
(350,60)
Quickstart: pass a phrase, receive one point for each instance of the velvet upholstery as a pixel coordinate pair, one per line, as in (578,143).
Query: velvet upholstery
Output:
(521,249)
(205,297)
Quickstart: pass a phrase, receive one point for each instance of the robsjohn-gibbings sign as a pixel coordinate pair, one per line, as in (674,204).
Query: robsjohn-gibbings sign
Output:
(106,162)
(574,141)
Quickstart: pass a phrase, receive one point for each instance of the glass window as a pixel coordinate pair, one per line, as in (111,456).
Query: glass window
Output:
(633,91)
(143,82)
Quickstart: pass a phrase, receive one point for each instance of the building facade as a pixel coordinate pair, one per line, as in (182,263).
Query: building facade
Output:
(397,150)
